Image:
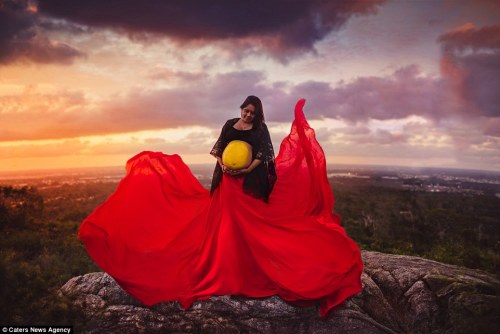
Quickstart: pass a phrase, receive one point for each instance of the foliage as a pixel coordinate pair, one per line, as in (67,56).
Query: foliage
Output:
(19,206)
(454,228)
(38,254)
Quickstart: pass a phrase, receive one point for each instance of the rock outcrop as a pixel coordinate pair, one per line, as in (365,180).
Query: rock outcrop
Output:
(402,294)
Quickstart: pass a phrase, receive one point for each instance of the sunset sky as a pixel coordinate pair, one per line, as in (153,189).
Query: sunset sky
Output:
(92,83)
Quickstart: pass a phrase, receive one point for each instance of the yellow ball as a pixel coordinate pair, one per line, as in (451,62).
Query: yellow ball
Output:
(237,155)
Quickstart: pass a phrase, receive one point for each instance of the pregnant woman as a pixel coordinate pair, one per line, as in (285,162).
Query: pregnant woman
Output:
(266,227)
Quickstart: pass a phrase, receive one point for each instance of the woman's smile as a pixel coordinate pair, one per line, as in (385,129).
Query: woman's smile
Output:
(248,113)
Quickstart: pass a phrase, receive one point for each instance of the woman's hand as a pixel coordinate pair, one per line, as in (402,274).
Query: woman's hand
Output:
(227,170)
(234,172)
(243,171)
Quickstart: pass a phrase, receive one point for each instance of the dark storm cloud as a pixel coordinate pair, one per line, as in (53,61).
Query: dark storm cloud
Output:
(22,36)
(470,37)
(473,62)
(285,24)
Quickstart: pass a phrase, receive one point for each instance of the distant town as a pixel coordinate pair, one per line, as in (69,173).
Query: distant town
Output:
(425,179)
(471,182)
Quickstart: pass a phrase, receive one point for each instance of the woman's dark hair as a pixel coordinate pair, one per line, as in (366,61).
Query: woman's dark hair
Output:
(259,111)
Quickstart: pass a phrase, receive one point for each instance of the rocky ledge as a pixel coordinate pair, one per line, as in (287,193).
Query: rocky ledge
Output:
(402,294)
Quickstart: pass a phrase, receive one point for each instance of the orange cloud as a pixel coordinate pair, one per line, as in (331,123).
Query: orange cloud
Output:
(68,114)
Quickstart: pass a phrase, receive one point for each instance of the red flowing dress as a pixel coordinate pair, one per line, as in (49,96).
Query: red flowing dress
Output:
(163,238)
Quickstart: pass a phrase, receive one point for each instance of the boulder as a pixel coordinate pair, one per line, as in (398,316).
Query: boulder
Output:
(401,294)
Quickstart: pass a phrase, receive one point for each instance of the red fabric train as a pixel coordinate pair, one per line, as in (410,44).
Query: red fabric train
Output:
(163,238)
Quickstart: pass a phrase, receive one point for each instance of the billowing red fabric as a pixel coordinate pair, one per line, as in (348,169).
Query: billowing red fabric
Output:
(163,238)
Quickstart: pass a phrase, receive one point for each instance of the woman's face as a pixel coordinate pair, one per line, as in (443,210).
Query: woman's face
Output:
(248,113)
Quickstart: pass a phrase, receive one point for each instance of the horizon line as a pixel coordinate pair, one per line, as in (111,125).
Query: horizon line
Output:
(328,165)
